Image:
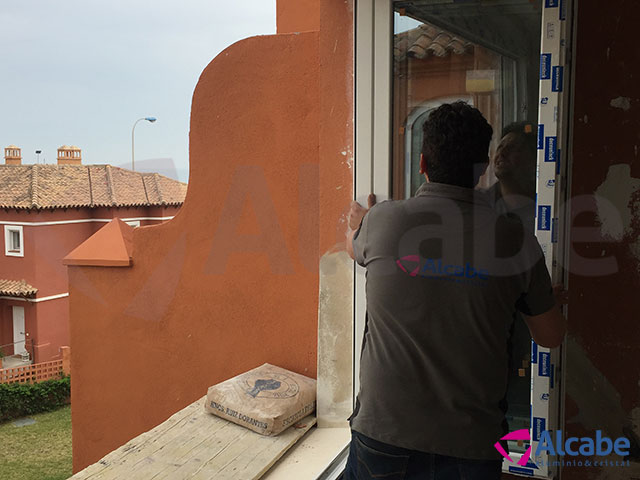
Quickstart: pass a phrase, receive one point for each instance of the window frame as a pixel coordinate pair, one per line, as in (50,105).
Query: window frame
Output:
(372,173)
(9,230)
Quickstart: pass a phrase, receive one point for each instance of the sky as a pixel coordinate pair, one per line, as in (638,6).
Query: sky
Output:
(81,72)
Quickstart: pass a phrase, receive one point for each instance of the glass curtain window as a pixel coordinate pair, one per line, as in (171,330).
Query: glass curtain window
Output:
(486,53)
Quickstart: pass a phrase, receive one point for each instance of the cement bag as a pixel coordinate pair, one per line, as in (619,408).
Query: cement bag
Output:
(267,399)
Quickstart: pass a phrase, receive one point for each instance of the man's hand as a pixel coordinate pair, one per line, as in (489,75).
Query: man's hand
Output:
(356,214)
(357,211)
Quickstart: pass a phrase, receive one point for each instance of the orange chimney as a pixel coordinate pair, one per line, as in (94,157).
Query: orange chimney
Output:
(69,155)
(12,155)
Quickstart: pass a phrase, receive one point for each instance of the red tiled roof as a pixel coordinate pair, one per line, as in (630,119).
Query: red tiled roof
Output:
(67,186)
(426,40)
(16,288)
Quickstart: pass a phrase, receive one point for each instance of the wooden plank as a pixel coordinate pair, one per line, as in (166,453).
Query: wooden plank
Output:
(128,452)
(194,444)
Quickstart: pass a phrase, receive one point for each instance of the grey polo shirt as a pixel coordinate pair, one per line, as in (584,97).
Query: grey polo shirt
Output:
(445,275)
(525,209)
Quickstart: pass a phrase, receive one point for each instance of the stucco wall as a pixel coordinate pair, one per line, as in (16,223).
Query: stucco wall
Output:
(232,281)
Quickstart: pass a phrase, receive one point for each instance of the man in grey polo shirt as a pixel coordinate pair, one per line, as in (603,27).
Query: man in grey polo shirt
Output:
(445,275)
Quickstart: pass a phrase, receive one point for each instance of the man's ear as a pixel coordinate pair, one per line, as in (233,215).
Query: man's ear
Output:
(423,167)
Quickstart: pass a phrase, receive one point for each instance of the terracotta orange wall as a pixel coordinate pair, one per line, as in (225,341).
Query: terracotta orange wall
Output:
(51,322)
(45,247)
(297,15)
(232,281)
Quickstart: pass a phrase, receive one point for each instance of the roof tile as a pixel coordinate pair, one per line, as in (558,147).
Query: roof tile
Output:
(16,288)
(427,40)
(65,186)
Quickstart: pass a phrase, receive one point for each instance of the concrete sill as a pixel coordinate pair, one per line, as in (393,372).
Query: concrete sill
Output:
(311,457)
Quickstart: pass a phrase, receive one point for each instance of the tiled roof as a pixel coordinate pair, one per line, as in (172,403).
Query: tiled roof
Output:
(67,186)
(16,288)
(425,40)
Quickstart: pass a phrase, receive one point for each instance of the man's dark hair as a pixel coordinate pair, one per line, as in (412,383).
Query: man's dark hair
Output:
(527,131)
(456,144)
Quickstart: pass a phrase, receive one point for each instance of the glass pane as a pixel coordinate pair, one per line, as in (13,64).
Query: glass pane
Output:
(487,53)
(15,240)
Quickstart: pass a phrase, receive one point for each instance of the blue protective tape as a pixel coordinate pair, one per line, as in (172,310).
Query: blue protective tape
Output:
(541,136)
(550,149)
(520,470)
(544,217)
(544,364)
(539,426)
(545,66)
(557,79)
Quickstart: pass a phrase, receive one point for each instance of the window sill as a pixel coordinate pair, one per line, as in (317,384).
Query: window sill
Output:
(313,456)
(195,444)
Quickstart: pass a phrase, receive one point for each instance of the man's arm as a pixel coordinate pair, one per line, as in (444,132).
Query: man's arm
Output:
(549,328)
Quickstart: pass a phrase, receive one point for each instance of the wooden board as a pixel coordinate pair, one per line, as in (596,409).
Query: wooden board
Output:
(194,444)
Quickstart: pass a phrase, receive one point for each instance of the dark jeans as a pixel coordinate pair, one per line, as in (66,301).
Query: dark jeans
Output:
(370,459)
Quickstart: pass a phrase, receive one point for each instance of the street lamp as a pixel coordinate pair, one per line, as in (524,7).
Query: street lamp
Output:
(148,119)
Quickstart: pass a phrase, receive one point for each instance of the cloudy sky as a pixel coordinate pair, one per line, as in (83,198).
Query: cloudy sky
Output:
(81,72)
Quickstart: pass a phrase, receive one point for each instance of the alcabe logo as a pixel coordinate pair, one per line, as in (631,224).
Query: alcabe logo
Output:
(415,265)
(601,446)
(516,435)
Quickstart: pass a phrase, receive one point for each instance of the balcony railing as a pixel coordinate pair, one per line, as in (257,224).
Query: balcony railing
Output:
(38,372)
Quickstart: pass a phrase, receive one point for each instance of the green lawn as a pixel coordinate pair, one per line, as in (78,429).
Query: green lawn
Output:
(41,451)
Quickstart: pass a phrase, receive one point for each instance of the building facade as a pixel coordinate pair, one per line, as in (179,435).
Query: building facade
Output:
(45,212)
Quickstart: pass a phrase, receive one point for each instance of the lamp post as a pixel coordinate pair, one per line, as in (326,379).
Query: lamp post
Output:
(148,119)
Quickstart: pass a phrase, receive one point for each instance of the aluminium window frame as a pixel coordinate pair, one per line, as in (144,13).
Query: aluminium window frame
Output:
(372,173)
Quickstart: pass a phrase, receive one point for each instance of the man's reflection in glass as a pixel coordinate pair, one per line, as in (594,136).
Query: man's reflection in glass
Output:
(514,194)
(515,167)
